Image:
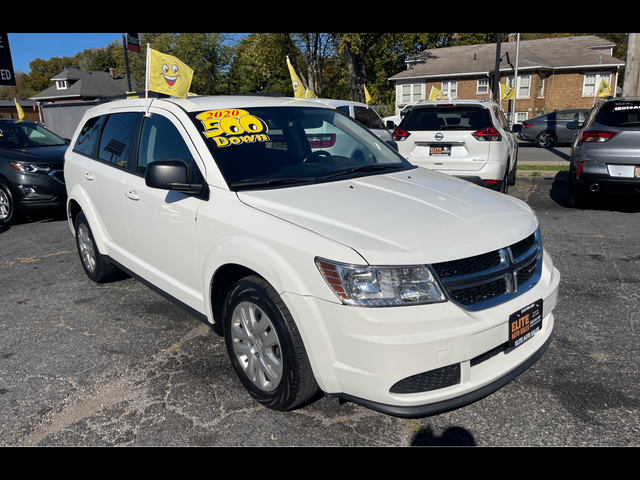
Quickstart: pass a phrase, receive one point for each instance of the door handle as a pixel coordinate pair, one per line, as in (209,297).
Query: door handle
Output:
(89,176)
(132,194)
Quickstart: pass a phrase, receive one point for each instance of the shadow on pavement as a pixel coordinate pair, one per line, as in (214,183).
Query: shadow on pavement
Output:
(601,201)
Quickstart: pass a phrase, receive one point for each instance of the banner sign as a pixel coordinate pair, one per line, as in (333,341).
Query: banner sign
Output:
(133,43)
(7,77)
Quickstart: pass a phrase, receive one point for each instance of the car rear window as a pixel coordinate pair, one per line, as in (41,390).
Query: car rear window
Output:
(442,117)
(620,114)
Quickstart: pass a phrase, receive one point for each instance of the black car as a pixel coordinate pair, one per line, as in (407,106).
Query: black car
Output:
(31,169)
(551,128)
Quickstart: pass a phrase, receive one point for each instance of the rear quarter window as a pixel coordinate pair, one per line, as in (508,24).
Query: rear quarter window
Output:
(89,135)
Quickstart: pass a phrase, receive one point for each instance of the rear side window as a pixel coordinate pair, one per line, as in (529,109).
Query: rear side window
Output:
(89,135)
(620,114)
(119,136)
(457,117)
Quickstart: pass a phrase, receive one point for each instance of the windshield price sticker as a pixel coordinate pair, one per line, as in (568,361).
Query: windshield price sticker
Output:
(525,323)
(233,127)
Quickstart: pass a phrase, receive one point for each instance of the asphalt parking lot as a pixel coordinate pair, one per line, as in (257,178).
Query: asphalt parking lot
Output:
(83,364)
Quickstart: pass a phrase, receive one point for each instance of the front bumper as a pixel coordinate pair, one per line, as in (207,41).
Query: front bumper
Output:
(36,191)
(360,354)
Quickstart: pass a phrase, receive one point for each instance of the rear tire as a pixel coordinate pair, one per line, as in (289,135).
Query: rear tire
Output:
(546,140)
(94,263)
(265,346)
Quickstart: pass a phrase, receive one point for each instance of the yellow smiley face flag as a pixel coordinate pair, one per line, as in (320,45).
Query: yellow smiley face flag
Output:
(298,89)
(167,74)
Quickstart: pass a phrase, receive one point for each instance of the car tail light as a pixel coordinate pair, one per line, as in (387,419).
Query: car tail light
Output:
(598,136)
(400,134)
(324,140)
(488,134)
(491,182)
(525,125)
(579,170)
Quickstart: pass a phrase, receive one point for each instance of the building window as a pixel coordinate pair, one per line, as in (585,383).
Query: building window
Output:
(523,88)
(592,82)
(541,86)
(61,85)
(449,89)
(411,93)
(483,86)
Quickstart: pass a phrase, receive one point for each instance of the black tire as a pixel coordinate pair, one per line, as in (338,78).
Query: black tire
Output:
(575,199)
(513,174)
(8,211)
(94,263)
(265,346)
(546,140)
(504,188)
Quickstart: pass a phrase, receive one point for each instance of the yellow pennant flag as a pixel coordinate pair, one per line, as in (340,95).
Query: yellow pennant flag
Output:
(506,92)
(604,90)
(167,74)
(298,88)
(367,97)
(436,94)
(20,111)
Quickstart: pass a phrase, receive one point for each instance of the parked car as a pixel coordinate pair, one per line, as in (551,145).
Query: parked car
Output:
(470,139)
(397,118)
(31,169)
(363,113)
(605,154)
(388,285)
(551,128)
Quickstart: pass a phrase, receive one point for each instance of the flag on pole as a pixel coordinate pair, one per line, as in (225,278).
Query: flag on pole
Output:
(604,90)
(298,89)
(20,111)
(506,92)
(167,74)
(367,97)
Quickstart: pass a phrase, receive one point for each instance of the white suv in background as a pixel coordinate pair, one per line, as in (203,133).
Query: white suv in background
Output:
(250,213)
(470,139)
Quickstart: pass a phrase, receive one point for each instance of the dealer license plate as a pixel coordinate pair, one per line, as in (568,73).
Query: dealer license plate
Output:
(525,323)
(440,150)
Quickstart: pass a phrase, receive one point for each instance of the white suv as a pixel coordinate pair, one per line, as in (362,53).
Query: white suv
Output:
(359,275)
(470,139)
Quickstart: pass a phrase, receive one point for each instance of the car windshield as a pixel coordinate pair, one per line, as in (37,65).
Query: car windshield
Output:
(27,135)
(270,147)
(620,114)
(446,117)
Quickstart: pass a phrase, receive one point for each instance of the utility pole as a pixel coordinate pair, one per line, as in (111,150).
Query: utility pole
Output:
(496,73)
(632,67)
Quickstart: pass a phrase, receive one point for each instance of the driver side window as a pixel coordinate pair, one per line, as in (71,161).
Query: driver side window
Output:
(161,140)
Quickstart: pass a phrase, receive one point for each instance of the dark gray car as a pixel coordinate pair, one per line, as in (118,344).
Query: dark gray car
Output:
(551,128)
(605,155)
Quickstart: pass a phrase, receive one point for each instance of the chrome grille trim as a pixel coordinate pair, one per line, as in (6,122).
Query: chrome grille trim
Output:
(492,278)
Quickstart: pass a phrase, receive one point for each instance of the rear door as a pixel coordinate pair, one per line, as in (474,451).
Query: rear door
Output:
(442,137)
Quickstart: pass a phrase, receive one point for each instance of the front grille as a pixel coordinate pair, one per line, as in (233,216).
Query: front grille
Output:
(492,278)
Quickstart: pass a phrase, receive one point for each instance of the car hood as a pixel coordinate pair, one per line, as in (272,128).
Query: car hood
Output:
(45,155)
(410,217)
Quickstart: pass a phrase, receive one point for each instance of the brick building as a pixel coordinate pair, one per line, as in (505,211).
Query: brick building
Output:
(553,73)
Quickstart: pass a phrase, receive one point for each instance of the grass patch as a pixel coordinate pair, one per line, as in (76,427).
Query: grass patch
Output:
(561,168)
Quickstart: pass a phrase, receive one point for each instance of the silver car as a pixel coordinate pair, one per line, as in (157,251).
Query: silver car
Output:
(551,128)
(605,154)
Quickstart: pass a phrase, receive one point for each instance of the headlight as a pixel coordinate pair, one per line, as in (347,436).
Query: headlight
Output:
(30,168)
(381,286)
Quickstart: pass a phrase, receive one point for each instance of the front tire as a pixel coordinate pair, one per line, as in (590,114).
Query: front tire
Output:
(94,263)
(265,346)
(8,211)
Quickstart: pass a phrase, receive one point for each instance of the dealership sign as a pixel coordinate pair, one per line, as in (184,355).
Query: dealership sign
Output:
(6,65)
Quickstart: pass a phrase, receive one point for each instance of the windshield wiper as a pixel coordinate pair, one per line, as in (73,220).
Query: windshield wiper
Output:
(363,168)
